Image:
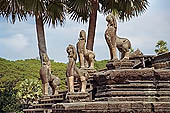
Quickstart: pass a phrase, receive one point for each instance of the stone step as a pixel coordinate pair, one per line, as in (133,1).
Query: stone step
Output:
(133,89)
(78,84)
(88,89)
(53,100)
(128,75)
(40,110)
(44,106)
(60,95)
(62,91)
(112,107)
(78,97)
(135,85)
(143,104)
(141,82)
(132,93)
(146,81)
(135,99)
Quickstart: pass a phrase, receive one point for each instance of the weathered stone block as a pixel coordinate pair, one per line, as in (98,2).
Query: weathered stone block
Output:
(69,106)
(128,64)
(96,106)
(137,105)
(162,105)
(78,97)
(162,74)
(112,105)
(161,65)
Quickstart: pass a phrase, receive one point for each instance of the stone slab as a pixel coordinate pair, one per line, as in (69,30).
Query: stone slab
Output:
(78,97)
(120,64)
(135,99)
(112,107)
(127,75)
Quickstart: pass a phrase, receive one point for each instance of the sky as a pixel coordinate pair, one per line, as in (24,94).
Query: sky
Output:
(18,41)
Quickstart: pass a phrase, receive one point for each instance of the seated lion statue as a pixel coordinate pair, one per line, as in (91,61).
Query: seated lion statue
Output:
(86,57)
(73,71)
(113,41)
(47,78)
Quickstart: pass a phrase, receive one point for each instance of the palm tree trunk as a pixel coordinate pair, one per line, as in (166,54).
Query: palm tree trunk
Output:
(40,35)
(92,26)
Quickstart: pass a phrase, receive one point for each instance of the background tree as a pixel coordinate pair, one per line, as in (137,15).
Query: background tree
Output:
(161,47)
(124,9)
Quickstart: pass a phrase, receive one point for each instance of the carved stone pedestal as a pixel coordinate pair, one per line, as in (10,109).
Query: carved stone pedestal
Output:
(127,64)
(78,97)
(90,71)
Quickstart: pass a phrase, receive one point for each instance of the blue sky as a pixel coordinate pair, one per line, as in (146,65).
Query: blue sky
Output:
(18,41)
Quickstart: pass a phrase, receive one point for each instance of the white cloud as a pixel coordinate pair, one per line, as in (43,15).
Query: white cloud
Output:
(17,42)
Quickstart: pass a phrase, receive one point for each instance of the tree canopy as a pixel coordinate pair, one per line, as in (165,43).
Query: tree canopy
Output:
(161,47)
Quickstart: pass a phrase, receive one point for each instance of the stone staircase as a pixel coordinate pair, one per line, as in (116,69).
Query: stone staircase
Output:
(45,103)
(147,90)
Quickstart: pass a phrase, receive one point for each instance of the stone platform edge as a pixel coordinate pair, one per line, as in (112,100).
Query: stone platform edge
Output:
(111,107)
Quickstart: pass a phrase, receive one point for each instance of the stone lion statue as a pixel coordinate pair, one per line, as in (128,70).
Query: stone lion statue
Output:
(113,41)
(47,78)
(86,57)
(73,71)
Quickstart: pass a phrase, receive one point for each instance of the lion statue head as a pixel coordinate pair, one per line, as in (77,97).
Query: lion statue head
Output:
(82,35)
(71,50)
(111,20)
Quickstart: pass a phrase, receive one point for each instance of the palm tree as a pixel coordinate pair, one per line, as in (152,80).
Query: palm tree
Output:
(161,47)
(123,9)
(44,11)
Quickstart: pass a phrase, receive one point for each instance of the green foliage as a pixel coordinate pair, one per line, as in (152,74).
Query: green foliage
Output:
(100,64)
(59,69)
(8,100)
(131,50)
(29,90)
(161,47)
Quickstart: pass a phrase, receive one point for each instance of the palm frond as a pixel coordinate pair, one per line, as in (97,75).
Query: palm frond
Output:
(55,13)
(125,9)
(11,9)
(107,6)
(34,7)
(79,10)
